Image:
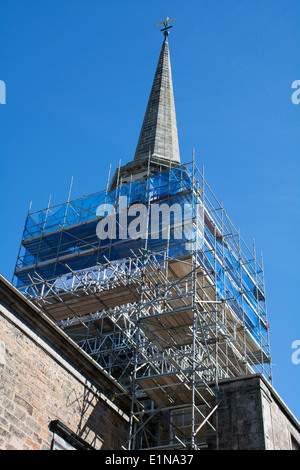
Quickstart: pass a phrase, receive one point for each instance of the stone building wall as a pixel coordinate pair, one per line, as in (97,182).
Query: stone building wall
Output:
(281,432)
(39,384)
(252,416)
(239,416)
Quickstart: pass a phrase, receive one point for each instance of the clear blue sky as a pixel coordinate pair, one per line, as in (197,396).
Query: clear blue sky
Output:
(78,75)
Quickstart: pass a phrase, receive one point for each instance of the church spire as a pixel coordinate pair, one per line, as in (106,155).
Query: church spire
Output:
(157,147)
(158,136)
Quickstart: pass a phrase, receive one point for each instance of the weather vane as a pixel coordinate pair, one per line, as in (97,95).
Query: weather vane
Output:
(166,27)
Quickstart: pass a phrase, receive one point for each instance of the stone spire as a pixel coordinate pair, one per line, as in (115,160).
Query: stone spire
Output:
(158,137)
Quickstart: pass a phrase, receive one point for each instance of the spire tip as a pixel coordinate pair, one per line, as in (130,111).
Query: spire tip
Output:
(166,28)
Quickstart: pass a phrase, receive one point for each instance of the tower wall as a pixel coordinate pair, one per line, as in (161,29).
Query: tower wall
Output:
(45,378)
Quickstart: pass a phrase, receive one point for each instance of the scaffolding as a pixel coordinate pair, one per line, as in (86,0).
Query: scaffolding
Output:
(167,316)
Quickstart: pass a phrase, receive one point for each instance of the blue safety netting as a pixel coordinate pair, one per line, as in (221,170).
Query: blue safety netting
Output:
(69,232)
(158,186)
(235,284)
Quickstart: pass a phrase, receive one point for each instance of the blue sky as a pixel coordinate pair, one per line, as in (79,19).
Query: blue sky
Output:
(78,75)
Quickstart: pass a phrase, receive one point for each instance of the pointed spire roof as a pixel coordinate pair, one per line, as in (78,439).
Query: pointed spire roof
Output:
(158,136)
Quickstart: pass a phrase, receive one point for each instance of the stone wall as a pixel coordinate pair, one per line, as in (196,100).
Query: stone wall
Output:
(38,385)
(280,430)
(251,416)
(240,420)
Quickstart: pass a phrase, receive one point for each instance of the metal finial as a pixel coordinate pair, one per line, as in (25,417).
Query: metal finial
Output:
(166,27)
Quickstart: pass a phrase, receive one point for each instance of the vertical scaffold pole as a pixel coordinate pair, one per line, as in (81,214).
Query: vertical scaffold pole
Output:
(20,248)
(240,273)
(257,304)
(266,315)
(194,281)
(68,201)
